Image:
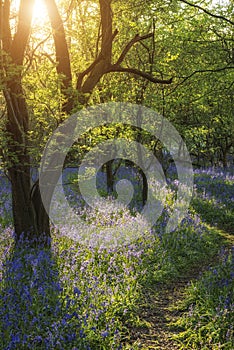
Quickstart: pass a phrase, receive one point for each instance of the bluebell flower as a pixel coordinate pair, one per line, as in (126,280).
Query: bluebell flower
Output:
(82,333)
(104,334)
(76,291)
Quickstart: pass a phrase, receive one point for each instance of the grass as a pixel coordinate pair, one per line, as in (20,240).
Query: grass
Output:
(76,296)
(209,322)
(208,317)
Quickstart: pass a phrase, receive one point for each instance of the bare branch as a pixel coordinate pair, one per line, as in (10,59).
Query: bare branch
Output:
(32,54)
(197,72)
(137,72)
(93,64)
(208,12)
(102,65)
(98,40)
(134,40)
(81,75)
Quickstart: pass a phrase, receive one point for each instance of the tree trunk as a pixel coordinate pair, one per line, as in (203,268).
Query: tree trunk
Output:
(109,177)
(31,222)
(144,187)
(224,158)
(41,218)
(21,204)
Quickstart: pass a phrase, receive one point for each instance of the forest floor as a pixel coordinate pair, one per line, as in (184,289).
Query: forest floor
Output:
(174,291)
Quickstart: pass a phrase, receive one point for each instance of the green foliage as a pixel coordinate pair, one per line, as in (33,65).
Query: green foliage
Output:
(174,254)
(209,322)
(188,45)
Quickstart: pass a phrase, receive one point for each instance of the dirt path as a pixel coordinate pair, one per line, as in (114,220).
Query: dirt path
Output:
(157,313)
(158,309)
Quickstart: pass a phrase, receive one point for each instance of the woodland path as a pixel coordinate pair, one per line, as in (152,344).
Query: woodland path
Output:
(159,308)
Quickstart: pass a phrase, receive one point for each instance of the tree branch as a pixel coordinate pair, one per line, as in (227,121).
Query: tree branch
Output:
(137,72)
(102,64)
(32,54)
(80,76)
(197,72)
(207,12)
(134,40)
(92,65)
(62,54)
(106,25)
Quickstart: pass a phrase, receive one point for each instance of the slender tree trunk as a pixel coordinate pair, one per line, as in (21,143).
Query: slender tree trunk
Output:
(224,157)
(109,177)
(144,187)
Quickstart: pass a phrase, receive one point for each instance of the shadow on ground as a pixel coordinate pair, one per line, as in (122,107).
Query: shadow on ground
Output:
(31,313)
(222,218)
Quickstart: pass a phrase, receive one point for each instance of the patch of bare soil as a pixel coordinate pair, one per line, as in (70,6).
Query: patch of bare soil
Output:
(157,313)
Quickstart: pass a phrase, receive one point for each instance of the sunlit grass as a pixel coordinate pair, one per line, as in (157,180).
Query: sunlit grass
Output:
(208,323)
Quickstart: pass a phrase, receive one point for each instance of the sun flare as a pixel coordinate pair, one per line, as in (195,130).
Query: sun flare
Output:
(39,12)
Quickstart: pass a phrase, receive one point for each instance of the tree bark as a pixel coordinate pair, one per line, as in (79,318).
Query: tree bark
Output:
(62,55)
(109,177)
(30,224)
